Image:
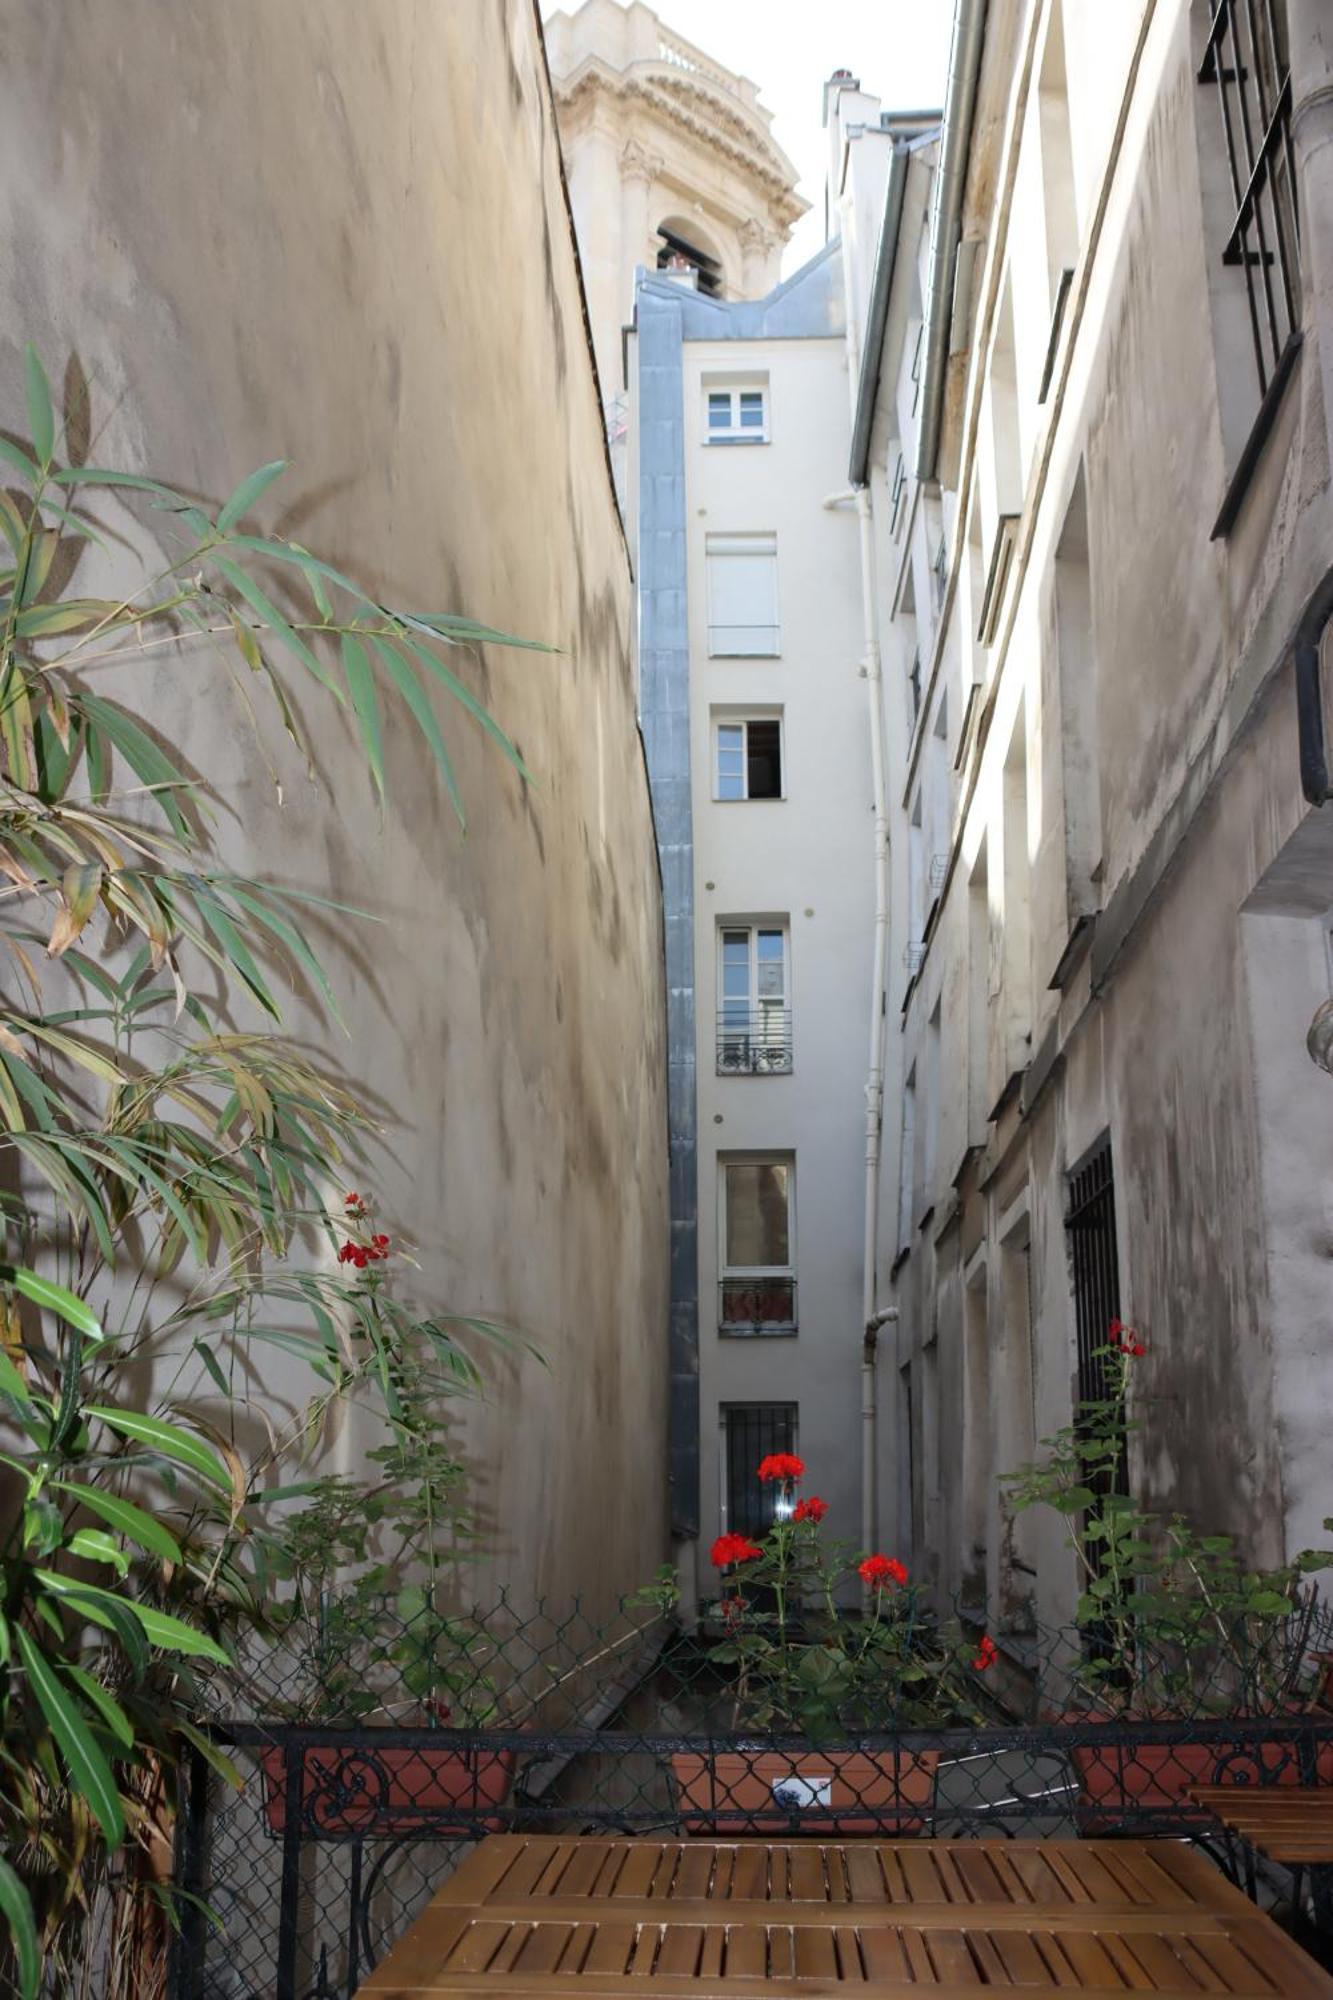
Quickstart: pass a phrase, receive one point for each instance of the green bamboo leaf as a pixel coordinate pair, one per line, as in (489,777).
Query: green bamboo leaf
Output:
(168,1440)
(97,475)
(141,1528)
(467,631)
(99,1698)
(71,613)
(266,609)
(142,755)
(232,943)
(17,1913)
(12,524)
(409,687)
(87,1767)
(365,703)
(291,937)
(20,461)
(465,695)
(54,1298)
(210,1361)
(249,490)
(41,417)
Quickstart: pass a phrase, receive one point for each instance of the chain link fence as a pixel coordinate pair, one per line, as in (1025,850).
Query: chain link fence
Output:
(296,1875)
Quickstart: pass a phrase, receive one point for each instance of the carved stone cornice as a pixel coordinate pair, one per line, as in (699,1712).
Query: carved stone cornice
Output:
(699,111)
(638,164)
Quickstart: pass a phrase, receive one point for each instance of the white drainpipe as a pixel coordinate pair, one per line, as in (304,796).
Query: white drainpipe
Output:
(871,1319)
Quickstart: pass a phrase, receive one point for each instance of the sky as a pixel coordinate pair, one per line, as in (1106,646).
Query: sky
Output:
(898,48)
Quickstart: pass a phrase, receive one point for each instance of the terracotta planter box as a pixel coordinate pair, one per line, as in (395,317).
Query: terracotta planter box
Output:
(349,1793)
(1118,1779)
(815,1792)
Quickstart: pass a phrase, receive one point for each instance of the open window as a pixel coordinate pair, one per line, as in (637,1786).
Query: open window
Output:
(757,1281)
(747,757)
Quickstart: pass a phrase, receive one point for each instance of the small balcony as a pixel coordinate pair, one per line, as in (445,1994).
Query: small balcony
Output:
(760,1304)
(754,1042)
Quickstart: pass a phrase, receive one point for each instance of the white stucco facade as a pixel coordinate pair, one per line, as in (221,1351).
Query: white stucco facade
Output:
(765,667)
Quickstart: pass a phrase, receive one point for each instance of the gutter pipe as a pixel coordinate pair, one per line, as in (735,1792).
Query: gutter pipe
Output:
(869,1426)
(969,22)
(881,288)
(1309,694)
(871,1321)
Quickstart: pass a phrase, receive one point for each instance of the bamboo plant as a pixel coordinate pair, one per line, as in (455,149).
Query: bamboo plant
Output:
(169,1157)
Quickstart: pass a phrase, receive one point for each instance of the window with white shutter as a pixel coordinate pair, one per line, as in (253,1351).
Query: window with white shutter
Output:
(742,596)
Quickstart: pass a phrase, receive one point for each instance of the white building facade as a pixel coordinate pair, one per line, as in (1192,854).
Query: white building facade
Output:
(754,715)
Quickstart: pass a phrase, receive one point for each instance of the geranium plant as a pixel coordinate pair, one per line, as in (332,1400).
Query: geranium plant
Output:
(806,1664)
(1173,1622)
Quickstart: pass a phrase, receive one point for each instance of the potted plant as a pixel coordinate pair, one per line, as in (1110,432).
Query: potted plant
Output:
(1171,1625)
(362,1646)
(799,1663)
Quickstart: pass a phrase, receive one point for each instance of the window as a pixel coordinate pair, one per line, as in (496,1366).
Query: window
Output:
(748,763)
(1080,774)
(758,1277)
(1091,1231)
(753,1001)
(742,596)
(1251,215)
(750,1432)
(737,415)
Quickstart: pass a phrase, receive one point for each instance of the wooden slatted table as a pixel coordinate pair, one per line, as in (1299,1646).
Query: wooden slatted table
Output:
(1284,1822)
(529,1916)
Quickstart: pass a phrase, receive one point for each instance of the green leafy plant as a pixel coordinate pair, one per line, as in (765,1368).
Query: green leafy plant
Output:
(168,1166)
(1173,1623)
(799,1662)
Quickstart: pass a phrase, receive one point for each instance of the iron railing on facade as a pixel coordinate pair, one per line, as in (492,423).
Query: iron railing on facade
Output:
(754,1041)
(296,1883)
(756,1305)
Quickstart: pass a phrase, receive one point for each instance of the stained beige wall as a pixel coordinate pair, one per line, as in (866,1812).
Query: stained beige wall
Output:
(337,233)
(1179,1030)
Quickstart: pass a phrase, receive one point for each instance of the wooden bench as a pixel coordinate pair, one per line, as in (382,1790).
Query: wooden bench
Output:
(532,1917)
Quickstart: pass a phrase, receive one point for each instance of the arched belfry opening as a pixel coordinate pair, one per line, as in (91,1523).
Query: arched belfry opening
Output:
(682,246)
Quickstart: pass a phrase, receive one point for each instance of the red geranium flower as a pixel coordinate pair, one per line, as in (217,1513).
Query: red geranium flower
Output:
(986,1654)
(728,1549)
(813,1509)
(782,1465)
(1125,1340)
(878,1571)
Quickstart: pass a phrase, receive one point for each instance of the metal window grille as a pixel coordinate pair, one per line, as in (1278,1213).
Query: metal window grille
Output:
(753,1430)
(1245,59)
(1090,1224)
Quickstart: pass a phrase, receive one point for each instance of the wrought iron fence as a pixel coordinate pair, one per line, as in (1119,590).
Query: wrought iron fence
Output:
(297,1878)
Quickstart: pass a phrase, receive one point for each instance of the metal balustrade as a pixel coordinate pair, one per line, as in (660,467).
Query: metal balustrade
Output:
(754,1042)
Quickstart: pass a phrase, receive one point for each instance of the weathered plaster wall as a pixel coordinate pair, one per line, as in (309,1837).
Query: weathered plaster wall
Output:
(338,234)
(1179,1031)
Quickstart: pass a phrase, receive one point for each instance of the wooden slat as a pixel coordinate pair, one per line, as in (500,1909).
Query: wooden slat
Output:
(526,1917)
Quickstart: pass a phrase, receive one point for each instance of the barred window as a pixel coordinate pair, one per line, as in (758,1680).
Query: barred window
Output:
(1245,63)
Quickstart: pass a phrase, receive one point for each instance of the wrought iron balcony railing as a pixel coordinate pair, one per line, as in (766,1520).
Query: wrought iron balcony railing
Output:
(754,1042)
(757,1305)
